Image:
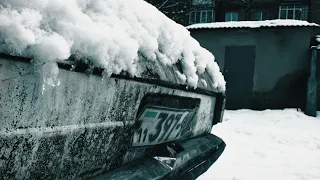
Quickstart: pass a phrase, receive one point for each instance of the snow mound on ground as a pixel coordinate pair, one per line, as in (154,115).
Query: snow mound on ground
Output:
(267,145)
(111,34)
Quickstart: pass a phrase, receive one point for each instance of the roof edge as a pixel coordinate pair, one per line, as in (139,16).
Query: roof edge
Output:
(253,24)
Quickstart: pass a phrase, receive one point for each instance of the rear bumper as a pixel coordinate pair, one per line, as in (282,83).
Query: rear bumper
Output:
(197,156)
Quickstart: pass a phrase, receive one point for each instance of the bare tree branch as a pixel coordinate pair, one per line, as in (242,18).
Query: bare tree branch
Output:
(244,1)
(166,1)
(168,6)
(179,10)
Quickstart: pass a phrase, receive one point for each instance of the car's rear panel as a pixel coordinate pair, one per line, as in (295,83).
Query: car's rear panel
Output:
(89,125)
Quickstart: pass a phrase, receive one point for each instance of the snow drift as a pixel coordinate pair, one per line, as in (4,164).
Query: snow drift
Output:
(112,34)
(265,145)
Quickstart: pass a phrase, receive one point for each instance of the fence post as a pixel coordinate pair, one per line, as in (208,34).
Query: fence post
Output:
(311,105)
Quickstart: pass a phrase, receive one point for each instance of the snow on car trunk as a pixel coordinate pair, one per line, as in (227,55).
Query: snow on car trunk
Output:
(112,34)
(265,145)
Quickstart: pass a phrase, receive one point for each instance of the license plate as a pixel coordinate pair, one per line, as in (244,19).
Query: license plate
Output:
(160,125)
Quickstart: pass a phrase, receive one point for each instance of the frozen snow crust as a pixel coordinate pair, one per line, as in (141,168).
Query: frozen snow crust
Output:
(116,35)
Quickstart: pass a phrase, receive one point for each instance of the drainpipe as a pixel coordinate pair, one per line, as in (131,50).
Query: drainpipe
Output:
(311,105)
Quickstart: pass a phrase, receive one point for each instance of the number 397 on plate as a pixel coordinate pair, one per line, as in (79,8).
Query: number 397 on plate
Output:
(159,125)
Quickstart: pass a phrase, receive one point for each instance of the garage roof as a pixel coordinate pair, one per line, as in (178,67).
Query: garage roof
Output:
(253,24)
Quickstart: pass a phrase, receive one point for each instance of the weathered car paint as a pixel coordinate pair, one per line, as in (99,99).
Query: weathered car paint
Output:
(75,130)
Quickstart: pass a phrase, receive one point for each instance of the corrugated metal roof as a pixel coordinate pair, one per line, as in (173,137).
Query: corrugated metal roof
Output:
(253,24)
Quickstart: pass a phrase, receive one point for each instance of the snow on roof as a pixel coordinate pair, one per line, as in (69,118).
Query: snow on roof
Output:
(112,34)
(252,24)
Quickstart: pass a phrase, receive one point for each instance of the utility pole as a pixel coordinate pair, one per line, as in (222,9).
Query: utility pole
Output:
(311,105)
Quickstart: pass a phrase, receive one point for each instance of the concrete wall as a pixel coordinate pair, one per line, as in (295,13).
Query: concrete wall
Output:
(281,62)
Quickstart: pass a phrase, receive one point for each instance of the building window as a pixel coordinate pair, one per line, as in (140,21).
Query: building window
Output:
(260,16)
(201,16)
(232,16)
(293,11)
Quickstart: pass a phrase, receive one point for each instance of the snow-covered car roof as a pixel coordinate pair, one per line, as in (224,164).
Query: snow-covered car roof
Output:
(116,35)
(253,24)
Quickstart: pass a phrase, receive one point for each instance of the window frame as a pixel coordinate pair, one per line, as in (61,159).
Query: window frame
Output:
(232,16)
(263,15)
(304,11)
(199,12)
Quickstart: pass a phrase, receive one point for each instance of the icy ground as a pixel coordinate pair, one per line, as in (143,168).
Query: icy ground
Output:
(267,145)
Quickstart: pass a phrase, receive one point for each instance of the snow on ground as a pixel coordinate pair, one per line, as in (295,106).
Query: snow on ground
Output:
(267,145)
(112,34)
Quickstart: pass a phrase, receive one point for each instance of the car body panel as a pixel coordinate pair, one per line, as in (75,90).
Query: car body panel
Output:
(82,127)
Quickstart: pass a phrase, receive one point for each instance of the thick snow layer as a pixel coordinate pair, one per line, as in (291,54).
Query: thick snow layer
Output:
(111,34)
(252,24)
(267,145)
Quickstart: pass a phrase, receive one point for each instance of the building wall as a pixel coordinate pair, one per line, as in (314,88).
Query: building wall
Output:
(181,10)
(281,63)
(315,11)
(270,6)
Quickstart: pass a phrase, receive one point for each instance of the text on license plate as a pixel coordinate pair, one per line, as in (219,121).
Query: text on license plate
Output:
(161,125)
